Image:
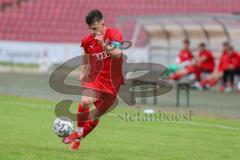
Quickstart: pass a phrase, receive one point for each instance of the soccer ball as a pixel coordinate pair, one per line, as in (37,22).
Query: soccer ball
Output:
(62,126)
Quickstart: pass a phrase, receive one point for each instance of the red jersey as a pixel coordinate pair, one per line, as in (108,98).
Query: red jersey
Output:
(106,71)
(220,64)
(226,60)
(185,55)
(208,64)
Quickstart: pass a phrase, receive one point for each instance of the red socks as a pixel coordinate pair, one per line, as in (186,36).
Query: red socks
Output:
(175,76)
(82,116)
(89,126)
(213,83)
(204,82)
(83,120)
(209,83)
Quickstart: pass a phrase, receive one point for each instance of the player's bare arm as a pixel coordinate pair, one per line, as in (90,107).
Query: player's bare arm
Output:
(85,68)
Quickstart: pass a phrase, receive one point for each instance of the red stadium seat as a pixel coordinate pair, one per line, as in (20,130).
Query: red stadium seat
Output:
(64,20)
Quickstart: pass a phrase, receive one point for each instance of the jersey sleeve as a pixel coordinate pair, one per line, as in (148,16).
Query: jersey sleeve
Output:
(220,64)
(84,44)
(238,59)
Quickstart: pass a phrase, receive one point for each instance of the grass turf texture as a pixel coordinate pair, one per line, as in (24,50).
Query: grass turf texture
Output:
(26,134)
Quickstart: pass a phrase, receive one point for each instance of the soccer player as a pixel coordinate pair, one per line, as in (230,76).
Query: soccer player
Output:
(230,64)
(212,79)
(185,56)
(103,49)
(183,59)
(203,63)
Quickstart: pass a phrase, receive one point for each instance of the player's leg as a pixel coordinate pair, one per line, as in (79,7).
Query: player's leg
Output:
(88,126)
(228,77)
(88,98)
(225,80)
(205,82)
(179,74)
(198,72)
(231,76)
(215,78)
(102,105)
(237,73)
(213,81)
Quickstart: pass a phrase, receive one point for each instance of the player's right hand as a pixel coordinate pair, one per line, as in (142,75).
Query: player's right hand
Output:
(82,77)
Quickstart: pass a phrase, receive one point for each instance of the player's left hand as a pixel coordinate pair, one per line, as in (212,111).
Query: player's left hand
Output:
(99,37)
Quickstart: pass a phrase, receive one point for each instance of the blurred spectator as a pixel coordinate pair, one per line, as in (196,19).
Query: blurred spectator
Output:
(185,55)
(230,66)
(183,59)
(237,73)
(204,63)
(212,79)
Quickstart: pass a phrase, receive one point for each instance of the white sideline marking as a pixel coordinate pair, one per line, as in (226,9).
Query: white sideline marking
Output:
(211,125)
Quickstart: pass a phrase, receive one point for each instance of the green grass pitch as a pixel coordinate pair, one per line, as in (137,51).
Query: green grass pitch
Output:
(26,134)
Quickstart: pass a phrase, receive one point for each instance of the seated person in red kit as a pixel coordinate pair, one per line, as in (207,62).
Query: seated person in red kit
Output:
(185,54)
(203,63)
(212,79)
(230,66)
(183,59)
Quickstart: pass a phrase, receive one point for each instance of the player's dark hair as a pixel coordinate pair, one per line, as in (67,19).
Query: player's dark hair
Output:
(202,44)
(94,16)
(226,43)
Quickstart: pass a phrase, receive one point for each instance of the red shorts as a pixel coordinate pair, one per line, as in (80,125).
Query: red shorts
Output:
(105,96)
(195,70)
(97,85)
(104,102)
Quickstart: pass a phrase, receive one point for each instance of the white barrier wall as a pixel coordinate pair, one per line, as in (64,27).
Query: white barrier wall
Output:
(31,52)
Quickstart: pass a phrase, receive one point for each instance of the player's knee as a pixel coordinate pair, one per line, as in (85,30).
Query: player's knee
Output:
(85,102)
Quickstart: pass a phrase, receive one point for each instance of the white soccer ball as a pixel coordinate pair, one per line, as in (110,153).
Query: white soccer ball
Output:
(63,126)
